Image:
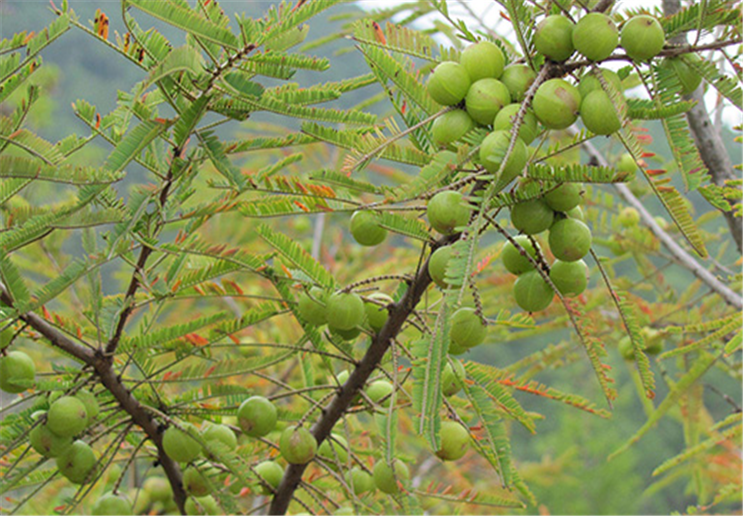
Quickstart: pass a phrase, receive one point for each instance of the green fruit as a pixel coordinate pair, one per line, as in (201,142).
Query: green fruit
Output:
(257,416)
(77,463)
(342,377)
(455,439)
(334,449)
(180,446)
(570,240)
(91,404)
(599,114)
(518,78)
(450,127)
(437,265)
(565,197)
(448,84)
(532,217)
(360,481)
(297,445)
(220,438)
(270,475)
(456,349)
(447,211)
(111,505)
(345,311)
(654,347)
(467,330)
(17,372)
(687,76)
(346,335)
(589,82)
(158,488)
(485,98)
(629,217)
(595,36)
(513,260)
(365,228)
(483,60)
(556,104)
(492,151)
(197,482)
(576,213)
(452,377)
(312,306)
(67,417)
(380,391)
(377,315)
(570,278)
(626,349)
(47,443)
(504,122)
(532,293)
(554,37)
(386,479)
(201,506)
(643,37)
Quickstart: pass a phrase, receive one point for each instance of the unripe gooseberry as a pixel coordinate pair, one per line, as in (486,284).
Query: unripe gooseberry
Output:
(565,197)
(687,76)
(386,479)
(158,489)
(483,60)
(446,211)
(532,293)
(455,439)
(312,306)
(643,37)
(201,506)
(47,443)
(450,127)
(589,82)
(91,404)
(179,445)
(377,315)
(467,328)
(629,217)
(626,349)
(77,463)
(576,213)
(197,482)
(518,78)
(448,84)
(554,37)
(220,438)
(17,372)
(380,392)
(599,114)
(626,164)
(437,265)
(111,505)
(365,228)
(595,36)
(452,377)
(334,449)
(513,259)
(270,475)
(485,98)
(297,445)
(360,481)
(257,416)
(492,151)
(345,311)
(67,416)
(569,239)
(570,278)
(505,118)
(532,217)
(556,104)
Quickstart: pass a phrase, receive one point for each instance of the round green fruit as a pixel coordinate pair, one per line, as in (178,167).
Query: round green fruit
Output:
(448,84)
(513,259)
(532,293)
(91,404)
(554,37)
(532,217)
(257,416)
(687,76)
(556,104)
(17,372)
(447,211)
(386,479)
(220,438)
(270,475)
(345,311)
(201,506)
(626,349)
(67,417)
(570,278)
(347,335)
(569,240)
(334,449)
(197,482)
(437,265)
(365,228)
(450,127)
(504,121)
(77,463)
(158,489)
(518,78)
(492,151)
(599,114)
(111,505)
(452,377)
(455,439)
(595,36)
(180,446)
(483,60)
(380,391)
(312,306)
(342,377)
(297,445)
(467,329)
(629,217)
(485,98)
(643,37)
(47,443)
(565,197)
(589,82)
(360,481)
(576,213)
(377,315)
